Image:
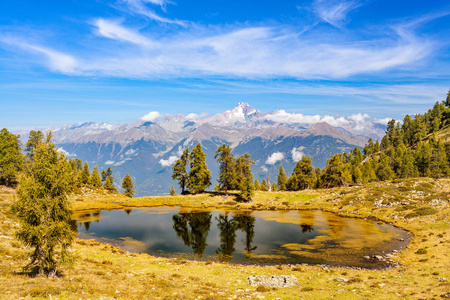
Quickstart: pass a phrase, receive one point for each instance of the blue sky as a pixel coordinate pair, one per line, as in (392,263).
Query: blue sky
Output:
(114,61)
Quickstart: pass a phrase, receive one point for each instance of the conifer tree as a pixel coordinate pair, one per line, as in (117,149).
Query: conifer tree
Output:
(282,179)
(127,186)
(199,175)
(227,164)
(107,174)
(172,191)
(408,167)
(180,172)
(109,185)
(85,176)
(11,158)
(244,176)
(357,175)
(423,158)
(34,138)
(264,186)
(43,208)
(274,187)
(305,175)
(439,161)
(95,178)
(384,170)
(257,185)
(337,172)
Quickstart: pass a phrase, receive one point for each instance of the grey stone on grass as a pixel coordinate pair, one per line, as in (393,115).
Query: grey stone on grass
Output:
(272,281)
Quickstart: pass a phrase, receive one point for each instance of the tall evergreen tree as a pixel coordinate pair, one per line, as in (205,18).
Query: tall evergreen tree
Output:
(85,174)
(127,186)
(109,186)
(227,172)
(11,158)
(95,178)
(199,175)
(34,138)
(423,158)
(244,176)
(107,174)
(257,185)
(180,172)
(439,161)
(43,208)
(282,179)
(264,186)
(305,175)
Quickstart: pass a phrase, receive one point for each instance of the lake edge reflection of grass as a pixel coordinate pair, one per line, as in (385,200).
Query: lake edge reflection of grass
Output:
(330,239)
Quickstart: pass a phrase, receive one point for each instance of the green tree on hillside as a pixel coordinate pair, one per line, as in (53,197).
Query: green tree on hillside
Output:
(95,178)
(34,138)
(199,175)
(11,158)
(43,208)
(244,176)
(264,186)
(304,176)
(282,179)
(107,174)
(127,186)
(227,172)
(180,172)
(257,185)
(109,186)
(85,176)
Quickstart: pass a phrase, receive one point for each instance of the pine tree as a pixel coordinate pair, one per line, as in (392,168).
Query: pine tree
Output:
(172,191)
(305,175)
(11,158)
(127,186)
(384,170)
(227,171)
(85,176)
(368,173)
(257,185)
(199,175)
(180,172)
(264,186)
(34,138)
(439,161)
(274,187)
(357,175)
(107,174)
(423,159)
(282,179)
(244,176)
(43,208)
(95,178)
(109,185)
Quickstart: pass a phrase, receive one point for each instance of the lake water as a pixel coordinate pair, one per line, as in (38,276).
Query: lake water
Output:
(244,237)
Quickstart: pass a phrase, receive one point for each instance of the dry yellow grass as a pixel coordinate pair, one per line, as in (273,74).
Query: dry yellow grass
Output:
(101,271)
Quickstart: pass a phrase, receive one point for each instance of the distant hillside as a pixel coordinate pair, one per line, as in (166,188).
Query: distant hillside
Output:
(148,149)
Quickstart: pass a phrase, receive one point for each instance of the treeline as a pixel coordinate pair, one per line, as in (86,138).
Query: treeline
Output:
(408,149)
(14,159)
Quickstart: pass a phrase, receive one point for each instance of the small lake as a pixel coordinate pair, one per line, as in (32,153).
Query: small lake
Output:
(244,237)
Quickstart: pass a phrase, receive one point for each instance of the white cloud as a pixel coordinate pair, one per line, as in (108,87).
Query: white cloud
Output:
(151,116)
(274,158)
(168,162)
(67,154)
(264,169)
(334,11)
(297,153)
(130,152)
(139,7)
(113,30)
(110,162)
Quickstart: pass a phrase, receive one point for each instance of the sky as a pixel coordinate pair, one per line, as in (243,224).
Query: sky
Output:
(115,61)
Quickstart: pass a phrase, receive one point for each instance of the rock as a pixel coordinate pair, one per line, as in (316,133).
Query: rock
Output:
(366,257)
(272,281)
(446,295)
(379,257)
(339,279)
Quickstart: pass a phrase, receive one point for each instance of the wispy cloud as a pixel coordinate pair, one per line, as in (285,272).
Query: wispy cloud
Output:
(113,30)
(334,12)
(139,7)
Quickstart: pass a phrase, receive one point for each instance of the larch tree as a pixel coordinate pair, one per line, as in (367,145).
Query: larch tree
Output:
(282,179)
(43,209)
(199,175)
(244,176)
(127,186)
(34,138)
(95,179)
(85,176)
(264,186)
(180,172)
(227,172)
(11,158)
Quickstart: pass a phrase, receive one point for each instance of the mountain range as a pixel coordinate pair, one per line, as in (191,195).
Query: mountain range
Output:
(148,149)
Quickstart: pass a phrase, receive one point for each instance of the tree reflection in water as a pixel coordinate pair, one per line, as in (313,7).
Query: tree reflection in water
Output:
(193,229)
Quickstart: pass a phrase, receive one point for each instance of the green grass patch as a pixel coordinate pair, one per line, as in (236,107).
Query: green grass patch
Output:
(422,211)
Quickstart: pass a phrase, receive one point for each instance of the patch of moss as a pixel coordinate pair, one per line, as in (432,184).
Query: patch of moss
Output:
(422,211)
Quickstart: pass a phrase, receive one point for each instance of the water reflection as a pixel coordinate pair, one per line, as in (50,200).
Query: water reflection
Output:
(193,229)
(254,237)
